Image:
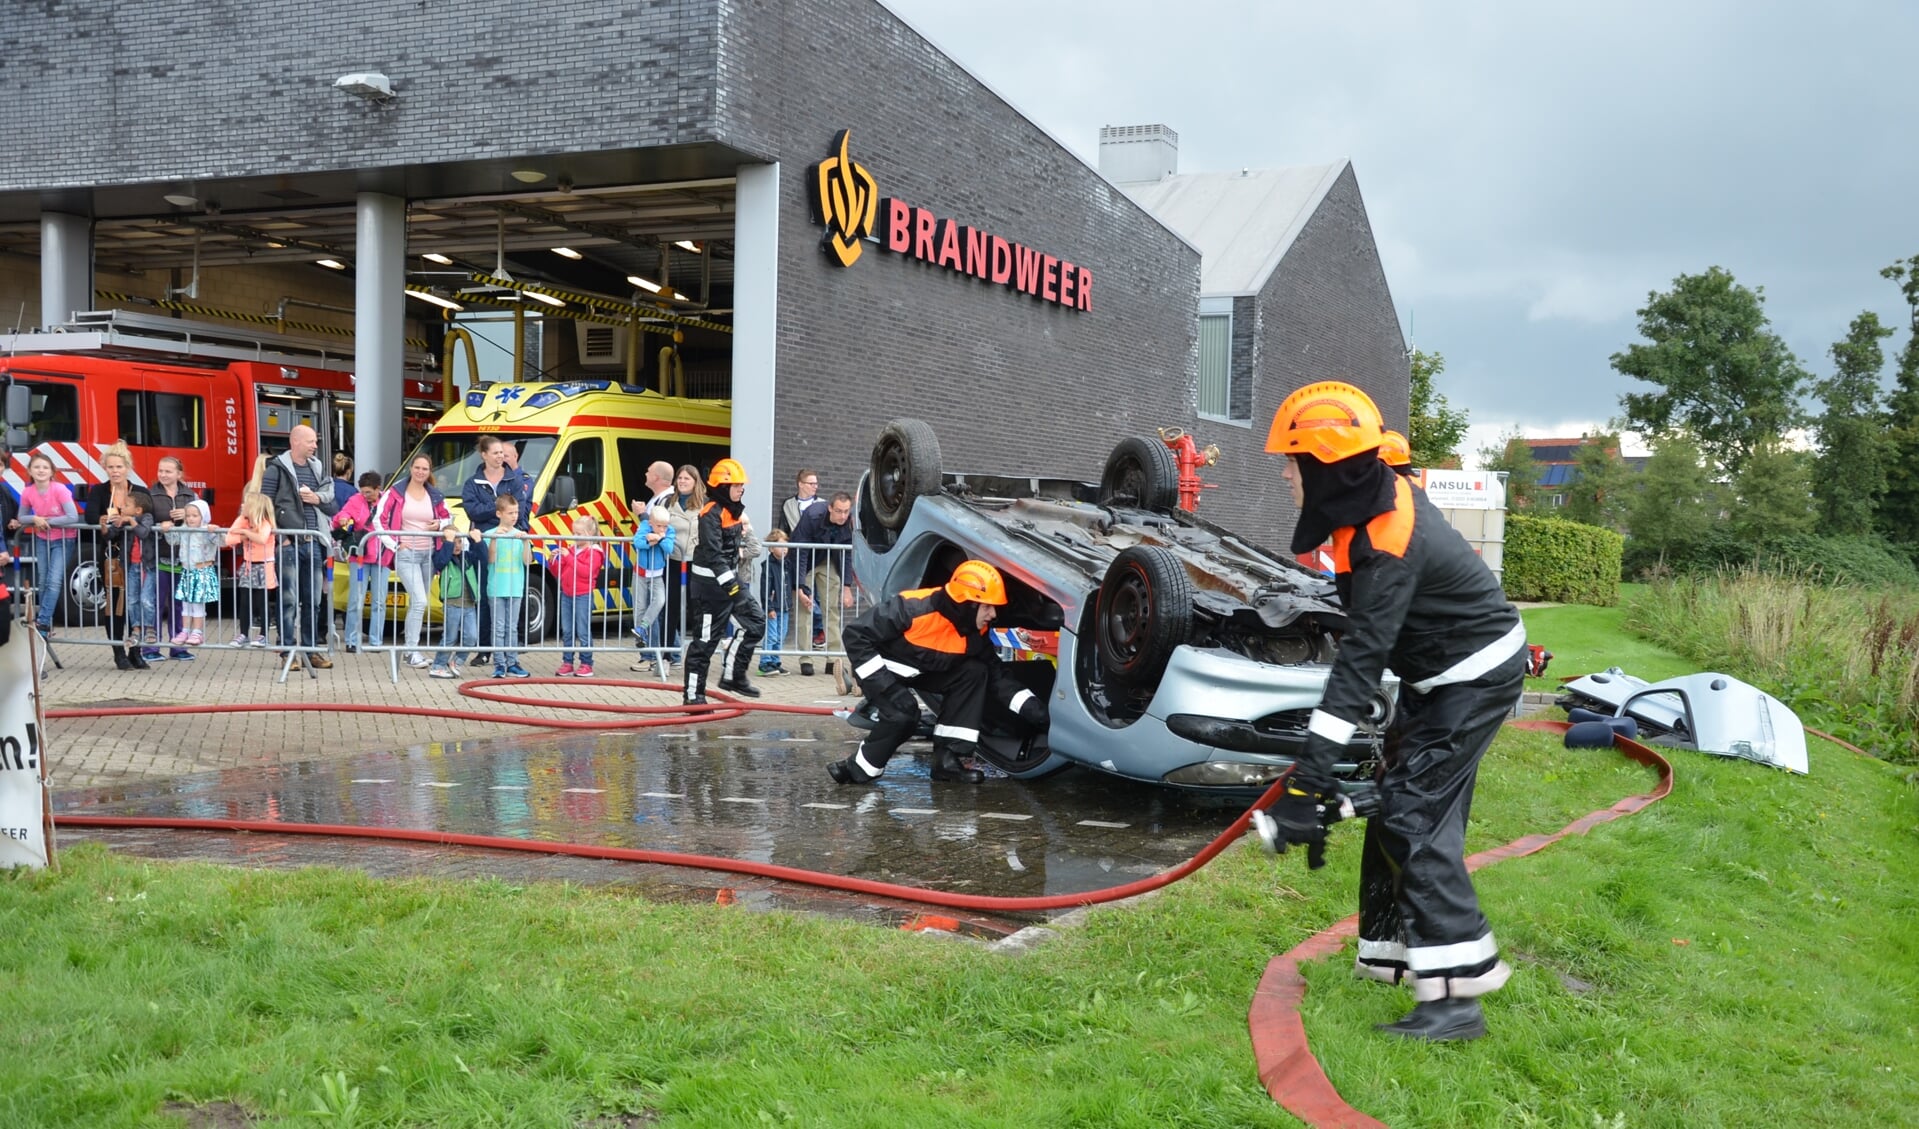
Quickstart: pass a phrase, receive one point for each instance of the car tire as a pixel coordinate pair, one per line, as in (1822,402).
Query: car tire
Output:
(1145,612)
(905,465)
(1140,472)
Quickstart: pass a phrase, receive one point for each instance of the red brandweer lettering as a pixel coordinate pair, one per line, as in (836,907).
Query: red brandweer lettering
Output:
(1026,272)
(899,222)
(949,244)
(1002,257)
(1066,284)
(1049,278)
(975,252)
(1085,290)
(922,234)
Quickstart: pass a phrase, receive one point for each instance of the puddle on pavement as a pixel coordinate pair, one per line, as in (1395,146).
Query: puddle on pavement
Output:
(741,790)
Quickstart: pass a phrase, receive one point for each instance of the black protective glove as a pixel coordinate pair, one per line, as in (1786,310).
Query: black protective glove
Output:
(1297,818)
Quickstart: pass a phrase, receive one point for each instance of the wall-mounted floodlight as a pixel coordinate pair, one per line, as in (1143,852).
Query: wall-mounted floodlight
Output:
(370,85)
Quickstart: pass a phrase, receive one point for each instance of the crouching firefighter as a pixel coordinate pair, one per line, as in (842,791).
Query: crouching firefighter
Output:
(716,593)
(1418,599)
(936,640)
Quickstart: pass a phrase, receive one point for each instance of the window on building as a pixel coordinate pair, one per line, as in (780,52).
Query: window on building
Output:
(53,413)
(162,419)
(1216,391)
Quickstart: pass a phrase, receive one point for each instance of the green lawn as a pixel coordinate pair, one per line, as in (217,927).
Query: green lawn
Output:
(1743,953)
(1586,639)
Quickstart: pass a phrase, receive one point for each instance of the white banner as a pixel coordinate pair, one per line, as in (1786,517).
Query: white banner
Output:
(1464,489)
(23,840)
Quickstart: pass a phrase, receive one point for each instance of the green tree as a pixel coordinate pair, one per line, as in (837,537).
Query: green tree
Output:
(1723,375)
(1597,494)
(1898,514)
(1850,474)
(1513,456)
(1675,502)
(1435,428)
(1773,493)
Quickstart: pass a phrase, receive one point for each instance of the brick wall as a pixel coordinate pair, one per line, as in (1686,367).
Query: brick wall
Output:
(121,91)
(1007,382)
(1325,314)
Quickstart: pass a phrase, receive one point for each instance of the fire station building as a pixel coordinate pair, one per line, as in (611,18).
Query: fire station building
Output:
(802,207)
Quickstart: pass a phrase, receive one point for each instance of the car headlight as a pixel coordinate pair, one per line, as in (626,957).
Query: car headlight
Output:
(1226,774)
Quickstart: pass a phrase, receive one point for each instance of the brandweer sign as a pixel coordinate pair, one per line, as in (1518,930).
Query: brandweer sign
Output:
(847,202)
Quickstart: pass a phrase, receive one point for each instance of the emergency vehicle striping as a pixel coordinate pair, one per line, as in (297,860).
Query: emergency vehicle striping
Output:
(676,426)
(70,460)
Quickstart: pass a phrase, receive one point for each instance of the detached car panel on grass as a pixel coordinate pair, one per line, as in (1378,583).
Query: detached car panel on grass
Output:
(1187,656)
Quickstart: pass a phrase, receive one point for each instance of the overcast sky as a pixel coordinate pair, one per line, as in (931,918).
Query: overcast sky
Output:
(1532,170)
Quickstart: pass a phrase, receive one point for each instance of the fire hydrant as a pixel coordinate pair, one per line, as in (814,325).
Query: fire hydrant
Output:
(1189,456)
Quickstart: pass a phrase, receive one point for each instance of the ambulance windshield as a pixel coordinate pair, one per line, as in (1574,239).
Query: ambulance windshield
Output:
(455,461)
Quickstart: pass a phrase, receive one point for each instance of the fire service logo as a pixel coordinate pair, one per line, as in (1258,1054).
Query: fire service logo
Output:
(846,198)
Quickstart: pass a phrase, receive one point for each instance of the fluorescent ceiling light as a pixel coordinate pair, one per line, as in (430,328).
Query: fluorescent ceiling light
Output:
(567,253)
(436,257)
(428,296)
(547,298)
(528,176)
(180,199)
(643,284)
(332,264)
(688,245)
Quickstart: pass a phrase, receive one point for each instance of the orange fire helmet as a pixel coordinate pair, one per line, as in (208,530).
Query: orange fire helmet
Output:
(1329,421)
(726,472)
(1394,451)
(977,582)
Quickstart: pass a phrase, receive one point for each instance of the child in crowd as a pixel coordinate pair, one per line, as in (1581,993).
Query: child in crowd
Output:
(48,509)
(652,556)
(506,556)
(460,597)
(143,574)
(198,554)
(775,583)
(253,575)
(578,564)
(353,522)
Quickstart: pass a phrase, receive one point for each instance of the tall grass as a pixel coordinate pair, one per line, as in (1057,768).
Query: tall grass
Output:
(1846,659)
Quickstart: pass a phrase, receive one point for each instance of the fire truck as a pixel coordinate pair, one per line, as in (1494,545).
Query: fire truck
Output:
(211,396)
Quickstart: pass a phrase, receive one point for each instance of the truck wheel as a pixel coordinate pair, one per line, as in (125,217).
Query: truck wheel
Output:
(85,601)
(1145,612)
(540,616)
(906,464)
(1140,472)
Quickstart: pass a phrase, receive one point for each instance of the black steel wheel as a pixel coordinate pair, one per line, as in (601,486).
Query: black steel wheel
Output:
(1140,472)
(1145,612)
(906,464)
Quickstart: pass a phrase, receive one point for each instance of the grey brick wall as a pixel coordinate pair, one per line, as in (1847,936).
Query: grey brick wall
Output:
(1008,382)
(1325,314)
(119,91)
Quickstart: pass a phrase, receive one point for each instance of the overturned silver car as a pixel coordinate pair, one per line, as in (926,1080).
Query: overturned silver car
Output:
(1186,655)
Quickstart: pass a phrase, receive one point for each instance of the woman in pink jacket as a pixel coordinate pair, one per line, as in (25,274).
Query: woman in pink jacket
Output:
(578,565)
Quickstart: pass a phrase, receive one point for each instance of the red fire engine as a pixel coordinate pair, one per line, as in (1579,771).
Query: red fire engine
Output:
(210,396)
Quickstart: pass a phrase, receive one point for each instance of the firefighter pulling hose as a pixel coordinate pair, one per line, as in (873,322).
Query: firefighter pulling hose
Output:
(1420,601)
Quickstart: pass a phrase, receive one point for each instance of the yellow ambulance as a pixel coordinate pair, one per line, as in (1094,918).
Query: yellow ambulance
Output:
(586,445)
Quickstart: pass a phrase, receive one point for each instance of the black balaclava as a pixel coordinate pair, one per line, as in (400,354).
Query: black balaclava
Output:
(1351,491)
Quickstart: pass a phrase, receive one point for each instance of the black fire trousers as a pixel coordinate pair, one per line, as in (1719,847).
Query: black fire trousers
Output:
(1418,911)
(706,623)
(962,703)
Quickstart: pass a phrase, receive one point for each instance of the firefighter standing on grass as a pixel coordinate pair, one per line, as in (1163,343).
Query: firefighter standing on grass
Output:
(717,594)
(1420,601)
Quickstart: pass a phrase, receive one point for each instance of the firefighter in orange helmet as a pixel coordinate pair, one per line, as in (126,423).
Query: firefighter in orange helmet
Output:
(934,639)
(1395,452)
(1418,599)
(716,594)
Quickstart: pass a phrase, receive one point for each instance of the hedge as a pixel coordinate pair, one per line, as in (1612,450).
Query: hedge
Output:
(1868,562)
(1564,561)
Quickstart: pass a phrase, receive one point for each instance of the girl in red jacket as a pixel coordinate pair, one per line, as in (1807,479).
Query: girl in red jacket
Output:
(578,565)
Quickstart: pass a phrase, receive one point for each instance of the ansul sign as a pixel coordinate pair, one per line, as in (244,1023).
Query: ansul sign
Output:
(846,201)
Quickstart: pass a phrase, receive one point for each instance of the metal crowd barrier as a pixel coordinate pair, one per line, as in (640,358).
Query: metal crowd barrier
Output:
(617,603)
(124,588)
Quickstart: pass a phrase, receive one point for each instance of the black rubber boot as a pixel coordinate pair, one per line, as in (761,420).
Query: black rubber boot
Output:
(1440,1021)
(120,659)
(948,769)
(846,772)
(739,686)
(135,660)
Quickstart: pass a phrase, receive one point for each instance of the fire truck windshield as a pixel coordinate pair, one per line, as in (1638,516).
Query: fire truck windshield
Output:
(455,461)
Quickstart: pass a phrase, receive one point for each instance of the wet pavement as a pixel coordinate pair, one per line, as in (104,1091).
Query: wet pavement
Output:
(754,789)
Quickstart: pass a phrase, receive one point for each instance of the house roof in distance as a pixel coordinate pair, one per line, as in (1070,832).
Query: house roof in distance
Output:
(1242,222)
